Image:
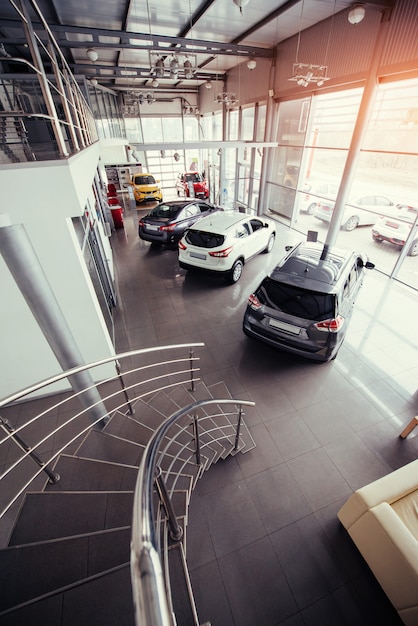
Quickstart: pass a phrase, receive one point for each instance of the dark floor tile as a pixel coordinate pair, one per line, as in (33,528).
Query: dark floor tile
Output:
(271,401)
(211,598)
(310,565)
(318,479)
(200,550)
(291,435)
(278,499)
(232,518)
(267,599)
(265,455)
(325,421)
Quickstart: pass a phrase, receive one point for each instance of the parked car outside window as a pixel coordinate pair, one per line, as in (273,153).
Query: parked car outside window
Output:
(192,184)
(305,304)
(166,223)
(146,188)
(222,243)
(361,211)
(314,192)
(396,229)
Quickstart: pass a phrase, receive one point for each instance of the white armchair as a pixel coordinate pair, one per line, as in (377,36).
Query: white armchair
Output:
(382,520)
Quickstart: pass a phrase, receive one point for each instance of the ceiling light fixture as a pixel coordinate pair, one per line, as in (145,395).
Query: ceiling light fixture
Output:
(356,14)
(92,55)
(188,69)
(174,67)
(93,81)
(208,84)
(154,82)
(252,64)
(159,68)
(240,4)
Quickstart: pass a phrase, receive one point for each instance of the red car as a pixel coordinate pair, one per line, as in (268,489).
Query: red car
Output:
(192,184)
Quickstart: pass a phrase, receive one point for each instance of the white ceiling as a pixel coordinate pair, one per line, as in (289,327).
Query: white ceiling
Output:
(128,34)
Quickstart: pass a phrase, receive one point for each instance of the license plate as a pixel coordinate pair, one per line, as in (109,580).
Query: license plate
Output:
(151,227)
(288,328)
(197,255)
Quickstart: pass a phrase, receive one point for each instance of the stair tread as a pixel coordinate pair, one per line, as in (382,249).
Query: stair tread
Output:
(99,444)
(104,600)
(50,515)
(42,563)
(80,474)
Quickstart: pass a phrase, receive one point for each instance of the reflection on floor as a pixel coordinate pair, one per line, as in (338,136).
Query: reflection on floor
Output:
(264,543)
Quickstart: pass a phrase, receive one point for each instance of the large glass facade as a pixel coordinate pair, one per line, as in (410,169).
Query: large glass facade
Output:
(305,173)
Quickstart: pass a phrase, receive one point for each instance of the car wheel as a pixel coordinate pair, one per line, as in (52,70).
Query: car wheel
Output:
(236,271)
(413,250)
(311,208)
(270,243)
(351,223)
(377,240)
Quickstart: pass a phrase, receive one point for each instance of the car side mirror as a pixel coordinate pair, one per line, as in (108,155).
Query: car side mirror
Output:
(288,248)
(369,265)
(265,225)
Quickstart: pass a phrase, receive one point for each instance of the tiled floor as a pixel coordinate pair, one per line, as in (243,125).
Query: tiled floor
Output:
(264,543)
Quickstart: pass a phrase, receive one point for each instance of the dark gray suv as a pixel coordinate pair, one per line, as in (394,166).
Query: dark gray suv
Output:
(304,305)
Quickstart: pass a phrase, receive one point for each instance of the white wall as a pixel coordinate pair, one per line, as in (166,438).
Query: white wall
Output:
(43,196)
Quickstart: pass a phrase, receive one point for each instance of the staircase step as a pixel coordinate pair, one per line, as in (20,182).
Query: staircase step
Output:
(80,474)
(51,565)
(104,600)
(106,447)
(53,515)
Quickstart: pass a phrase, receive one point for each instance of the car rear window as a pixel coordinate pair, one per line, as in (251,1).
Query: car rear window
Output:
(166,211)
(202,239)
(310,305)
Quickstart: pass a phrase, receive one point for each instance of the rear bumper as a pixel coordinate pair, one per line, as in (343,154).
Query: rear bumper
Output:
(324,354)
(381,237)
(203,270)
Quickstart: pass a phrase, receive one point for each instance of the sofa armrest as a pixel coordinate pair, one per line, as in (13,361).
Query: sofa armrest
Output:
(386,489)
(391,551)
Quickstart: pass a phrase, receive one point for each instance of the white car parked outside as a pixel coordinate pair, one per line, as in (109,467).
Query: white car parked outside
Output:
(222,243)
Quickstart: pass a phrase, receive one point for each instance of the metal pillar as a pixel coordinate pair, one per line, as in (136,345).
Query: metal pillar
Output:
(366,105)
(21,259)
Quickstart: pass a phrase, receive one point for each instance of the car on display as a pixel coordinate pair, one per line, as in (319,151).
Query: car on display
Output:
(166,223)
(395,229)
(361,211)
(146,188)
(192,184)
(314,192)
(222,243)
(305,304)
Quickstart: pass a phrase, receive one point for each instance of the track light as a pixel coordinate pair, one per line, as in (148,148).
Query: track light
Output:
(174,68)
(188,70)
(92,55)
(159,68)
(357,14)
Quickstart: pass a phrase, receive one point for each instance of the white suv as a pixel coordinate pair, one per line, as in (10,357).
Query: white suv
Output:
(222,243)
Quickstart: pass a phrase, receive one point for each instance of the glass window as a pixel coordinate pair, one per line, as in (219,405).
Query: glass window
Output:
(247,124)
(261,122)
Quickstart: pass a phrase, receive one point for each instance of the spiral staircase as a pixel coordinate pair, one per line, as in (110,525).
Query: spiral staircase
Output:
(102,538)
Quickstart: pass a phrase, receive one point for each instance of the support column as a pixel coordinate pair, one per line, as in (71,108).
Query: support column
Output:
(20,257)
(366,106)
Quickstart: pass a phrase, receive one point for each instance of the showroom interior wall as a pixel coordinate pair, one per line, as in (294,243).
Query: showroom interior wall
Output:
(44,196)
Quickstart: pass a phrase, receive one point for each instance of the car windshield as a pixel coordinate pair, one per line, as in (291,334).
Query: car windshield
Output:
(202,239)
(167,211)
(310,305)
(194,178)
(144,180)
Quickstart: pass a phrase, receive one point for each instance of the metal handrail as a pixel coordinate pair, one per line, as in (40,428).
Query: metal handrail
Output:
(148,582)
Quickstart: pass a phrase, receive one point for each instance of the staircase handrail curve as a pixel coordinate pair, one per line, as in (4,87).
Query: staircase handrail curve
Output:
(147,577)
(81,368)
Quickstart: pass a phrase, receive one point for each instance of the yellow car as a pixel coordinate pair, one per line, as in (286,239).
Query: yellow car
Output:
(146,188)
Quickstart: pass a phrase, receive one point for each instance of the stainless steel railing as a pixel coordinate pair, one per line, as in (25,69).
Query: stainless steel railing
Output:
(180,442)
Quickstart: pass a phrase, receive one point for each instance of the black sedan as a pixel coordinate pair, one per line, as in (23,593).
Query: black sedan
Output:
(166,223)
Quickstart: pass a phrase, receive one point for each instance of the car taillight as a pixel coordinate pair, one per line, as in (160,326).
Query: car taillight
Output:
(254,302)
(332,326)
(168,228)
(222,254)
(141,223)
(181,245)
